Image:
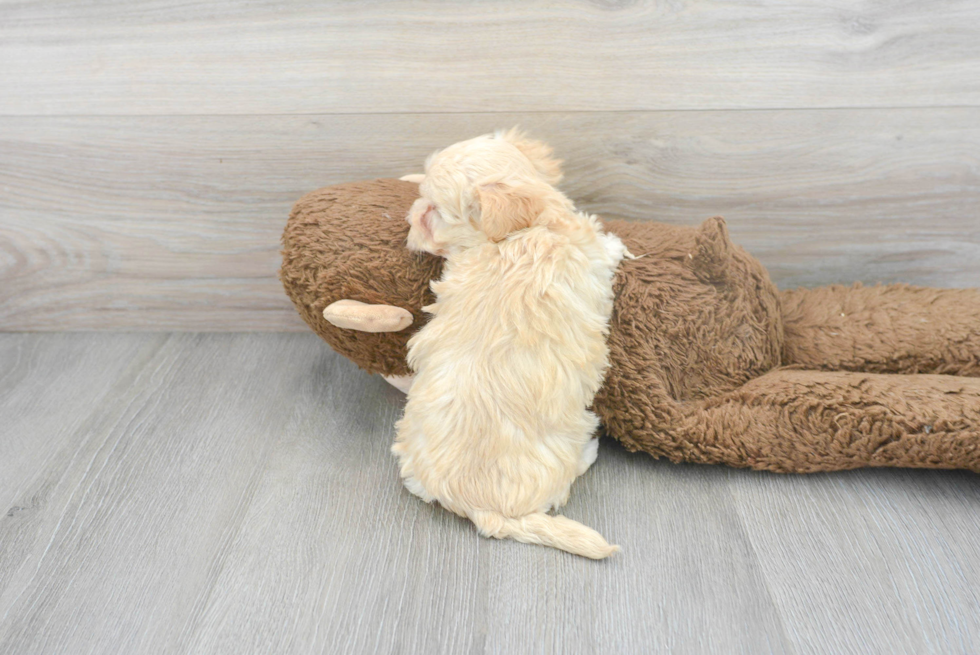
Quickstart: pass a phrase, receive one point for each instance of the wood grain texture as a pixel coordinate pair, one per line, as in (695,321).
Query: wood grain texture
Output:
(262,57)
(821,552)
(174,222)
(235,494)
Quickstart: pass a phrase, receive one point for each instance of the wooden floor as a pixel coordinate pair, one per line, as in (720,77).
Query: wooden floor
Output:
(234,493)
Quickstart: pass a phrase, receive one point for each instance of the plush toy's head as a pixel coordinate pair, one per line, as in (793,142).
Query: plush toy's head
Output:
(347,243)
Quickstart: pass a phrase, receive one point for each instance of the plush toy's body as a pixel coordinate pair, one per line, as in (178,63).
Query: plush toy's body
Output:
(710,362)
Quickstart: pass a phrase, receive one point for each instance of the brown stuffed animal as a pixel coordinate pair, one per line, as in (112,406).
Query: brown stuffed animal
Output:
(710,362)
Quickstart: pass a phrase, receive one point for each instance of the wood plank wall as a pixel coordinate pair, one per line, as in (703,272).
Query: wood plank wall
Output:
(150,151)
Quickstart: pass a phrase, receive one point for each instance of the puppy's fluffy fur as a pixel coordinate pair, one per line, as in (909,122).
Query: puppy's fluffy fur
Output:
(496,427)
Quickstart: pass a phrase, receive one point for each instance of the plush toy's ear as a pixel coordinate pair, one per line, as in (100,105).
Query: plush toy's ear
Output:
(539,153)
(505,208)
(712,255)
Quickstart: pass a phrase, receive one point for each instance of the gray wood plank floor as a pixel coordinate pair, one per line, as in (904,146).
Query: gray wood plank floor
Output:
(234,493)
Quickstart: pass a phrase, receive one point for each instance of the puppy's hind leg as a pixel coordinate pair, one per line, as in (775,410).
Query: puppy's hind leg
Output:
(407,472)
(413,485)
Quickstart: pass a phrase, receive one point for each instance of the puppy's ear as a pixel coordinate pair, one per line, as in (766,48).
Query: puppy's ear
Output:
(538,152)
(505,208)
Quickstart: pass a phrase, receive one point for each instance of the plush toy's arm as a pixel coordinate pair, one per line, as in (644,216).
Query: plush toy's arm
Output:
(355,315)
(401,382)
(883,329)
(797,421)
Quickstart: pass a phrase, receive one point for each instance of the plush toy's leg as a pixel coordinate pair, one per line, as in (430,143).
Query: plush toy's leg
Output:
(883,329)
(401,382)
(802,421)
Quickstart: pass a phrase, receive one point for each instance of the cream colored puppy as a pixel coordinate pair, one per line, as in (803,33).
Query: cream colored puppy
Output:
(496,427)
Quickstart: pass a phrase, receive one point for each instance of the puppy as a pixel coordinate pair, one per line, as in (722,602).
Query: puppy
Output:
(496,427)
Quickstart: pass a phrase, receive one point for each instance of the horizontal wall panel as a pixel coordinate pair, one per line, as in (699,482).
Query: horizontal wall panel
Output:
(261,57)
(174,222)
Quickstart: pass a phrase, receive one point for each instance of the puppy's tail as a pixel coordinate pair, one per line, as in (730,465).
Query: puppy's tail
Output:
(545,529)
